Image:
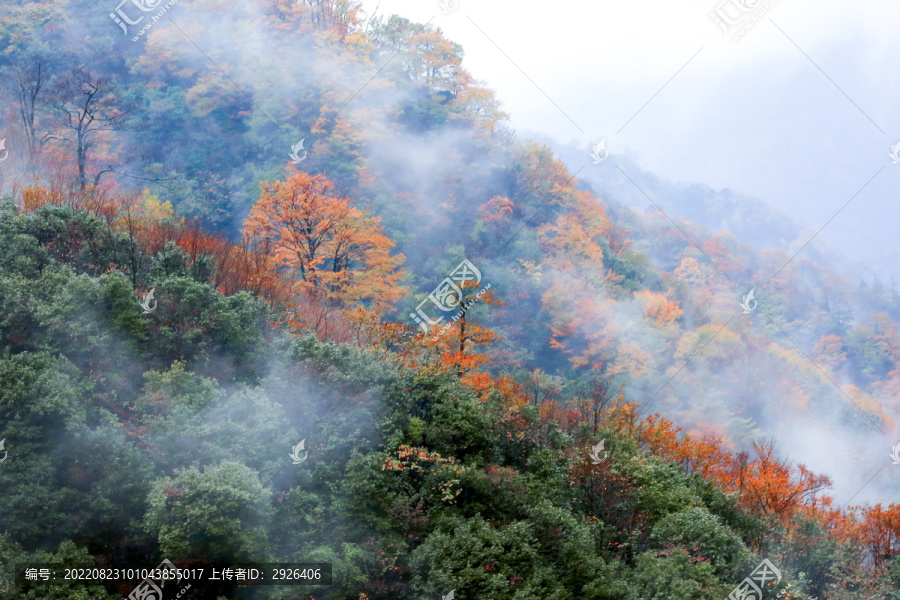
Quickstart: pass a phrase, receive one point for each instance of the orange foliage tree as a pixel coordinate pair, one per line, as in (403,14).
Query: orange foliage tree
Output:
(657,307)
(576,236)
(879,531)
(458,348)
(764,485)
(330,249)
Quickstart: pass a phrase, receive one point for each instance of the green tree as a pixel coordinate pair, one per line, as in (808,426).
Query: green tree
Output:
(702,535)
(66,555)
(220,513)
(41,405)
(675,575)
(479,561)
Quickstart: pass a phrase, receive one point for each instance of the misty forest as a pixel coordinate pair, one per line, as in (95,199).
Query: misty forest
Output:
(280,283)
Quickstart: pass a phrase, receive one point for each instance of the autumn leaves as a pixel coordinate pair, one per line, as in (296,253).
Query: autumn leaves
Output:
(328,248)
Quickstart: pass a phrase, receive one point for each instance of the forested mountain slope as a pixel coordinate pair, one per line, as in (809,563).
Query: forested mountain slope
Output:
(187,292)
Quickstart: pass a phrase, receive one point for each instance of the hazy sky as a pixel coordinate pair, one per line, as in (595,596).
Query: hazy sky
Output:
(802,111)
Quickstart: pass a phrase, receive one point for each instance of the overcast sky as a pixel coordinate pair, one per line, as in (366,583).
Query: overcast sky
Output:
(802,111)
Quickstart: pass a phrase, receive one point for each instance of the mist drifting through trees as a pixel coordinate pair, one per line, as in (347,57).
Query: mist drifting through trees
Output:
(279,283)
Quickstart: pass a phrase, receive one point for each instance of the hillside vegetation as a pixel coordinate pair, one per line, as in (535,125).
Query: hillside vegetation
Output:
(517,451)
